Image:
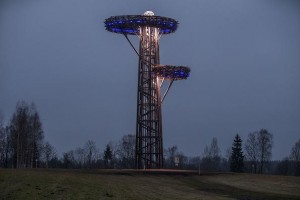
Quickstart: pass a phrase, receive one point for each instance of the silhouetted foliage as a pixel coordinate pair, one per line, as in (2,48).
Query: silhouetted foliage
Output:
(22,146)
(48,153)
(69,160)
(90,150)
(174,159)
(211,158)
(3,143)
(126,151)
(26,136)
(252,151)
(284,167)
(295,158)
(237,157)
(170,154)
(108,156)
(265,144)
(80,157)
(259,150)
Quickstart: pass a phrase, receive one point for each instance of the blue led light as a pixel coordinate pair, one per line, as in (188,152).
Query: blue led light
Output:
(129,24)
(172,72)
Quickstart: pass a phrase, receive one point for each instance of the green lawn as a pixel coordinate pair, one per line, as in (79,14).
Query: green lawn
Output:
(107,184)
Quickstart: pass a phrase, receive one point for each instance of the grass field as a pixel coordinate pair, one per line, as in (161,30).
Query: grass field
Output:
(110,184)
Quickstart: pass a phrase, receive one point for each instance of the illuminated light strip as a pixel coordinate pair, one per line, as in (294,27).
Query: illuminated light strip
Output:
(129,24)
(172,72)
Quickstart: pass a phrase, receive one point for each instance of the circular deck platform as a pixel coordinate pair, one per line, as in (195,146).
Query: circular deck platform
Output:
(129,24)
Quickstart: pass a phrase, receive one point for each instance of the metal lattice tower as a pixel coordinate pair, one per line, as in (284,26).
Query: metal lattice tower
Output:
(149,148)
(151,76)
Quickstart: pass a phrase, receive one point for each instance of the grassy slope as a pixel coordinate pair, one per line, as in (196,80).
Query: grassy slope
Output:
(101,184)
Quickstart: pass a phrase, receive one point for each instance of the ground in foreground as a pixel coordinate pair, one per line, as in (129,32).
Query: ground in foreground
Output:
(106,184)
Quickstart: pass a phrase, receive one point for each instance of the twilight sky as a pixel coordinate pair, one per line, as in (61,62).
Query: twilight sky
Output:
(244,56)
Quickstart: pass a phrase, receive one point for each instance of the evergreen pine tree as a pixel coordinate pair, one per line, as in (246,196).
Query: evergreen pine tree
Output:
(107,155)
(237,157)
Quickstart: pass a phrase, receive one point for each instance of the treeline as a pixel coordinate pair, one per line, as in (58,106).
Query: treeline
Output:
(119,154)
(21,141)
(22,145)
(253,156)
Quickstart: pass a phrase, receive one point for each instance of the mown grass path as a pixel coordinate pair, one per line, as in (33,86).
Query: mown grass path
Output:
(114,184)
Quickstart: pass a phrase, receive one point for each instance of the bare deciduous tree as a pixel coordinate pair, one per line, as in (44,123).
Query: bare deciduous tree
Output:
(79,155)
(259,149)
(48,153)
(214,150)
(2,142)
(295,157)
(211,157)
(90,152)
(170,153)
(68,159)
(126,151)
(26,135)
(175,158)
(265,144)
(252,151)
(35,136)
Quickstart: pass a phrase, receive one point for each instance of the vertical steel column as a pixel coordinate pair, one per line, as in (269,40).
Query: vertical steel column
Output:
(149,149)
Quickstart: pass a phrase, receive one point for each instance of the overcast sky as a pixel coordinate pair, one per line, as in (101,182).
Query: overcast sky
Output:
(244,56)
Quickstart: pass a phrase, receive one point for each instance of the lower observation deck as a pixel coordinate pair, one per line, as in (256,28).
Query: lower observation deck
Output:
(172,72)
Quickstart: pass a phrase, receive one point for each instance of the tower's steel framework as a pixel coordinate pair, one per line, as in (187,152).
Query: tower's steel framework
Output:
(151,75)
(149,148)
